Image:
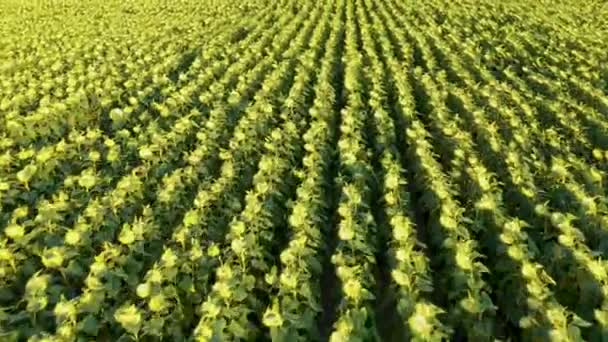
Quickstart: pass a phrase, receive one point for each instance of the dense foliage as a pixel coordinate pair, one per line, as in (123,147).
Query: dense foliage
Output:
(332,170)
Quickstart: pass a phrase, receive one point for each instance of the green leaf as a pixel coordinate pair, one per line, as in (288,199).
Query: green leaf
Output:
(89,325)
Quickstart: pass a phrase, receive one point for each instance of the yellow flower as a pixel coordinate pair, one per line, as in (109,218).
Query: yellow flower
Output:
(53,257)
(129,318)
(14,231)
(143,290)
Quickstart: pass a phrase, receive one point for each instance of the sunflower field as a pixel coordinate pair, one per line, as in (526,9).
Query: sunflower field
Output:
(299,170)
